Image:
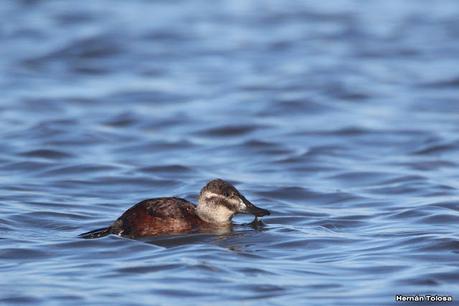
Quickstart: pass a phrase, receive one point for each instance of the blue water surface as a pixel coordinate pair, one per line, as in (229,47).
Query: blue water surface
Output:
(340,117)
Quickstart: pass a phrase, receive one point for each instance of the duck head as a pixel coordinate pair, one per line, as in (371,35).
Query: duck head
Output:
(219,201)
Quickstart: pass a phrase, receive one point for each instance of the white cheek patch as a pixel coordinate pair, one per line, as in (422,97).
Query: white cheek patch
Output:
(209,195)
(235,202)
(242,205)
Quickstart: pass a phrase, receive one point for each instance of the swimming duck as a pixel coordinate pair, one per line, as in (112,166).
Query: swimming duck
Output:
(218,202)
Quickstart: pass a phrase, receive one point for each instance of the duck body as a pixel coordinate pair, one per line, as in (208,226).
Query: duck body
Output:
(218,202)
(153,217)
(158,216)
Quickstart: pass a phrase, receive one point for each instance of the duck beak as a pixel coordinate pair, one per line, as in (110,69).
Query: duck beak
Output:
(252,209)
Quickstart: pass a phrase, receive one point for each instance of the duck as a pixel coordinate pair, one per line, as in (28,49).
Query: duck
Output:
(218,202)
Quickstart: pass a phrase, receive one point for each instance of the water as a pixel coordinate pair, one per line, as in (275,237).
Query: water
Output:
(339,117)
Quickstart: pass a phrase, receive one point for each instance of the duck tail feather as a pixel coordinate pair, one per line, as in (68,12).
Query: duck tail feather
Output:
(101,232)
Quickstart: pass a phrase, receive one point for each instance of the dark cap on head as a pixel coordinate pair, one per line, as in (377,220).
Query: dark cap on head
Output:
(220,187)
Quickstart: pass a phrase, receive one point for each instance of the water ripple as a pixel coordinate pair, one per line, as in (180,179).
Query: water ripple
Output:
(339,118)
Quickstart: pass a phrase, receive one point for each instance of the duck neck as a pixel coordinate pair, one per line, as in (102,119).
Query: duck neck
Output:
(211,211)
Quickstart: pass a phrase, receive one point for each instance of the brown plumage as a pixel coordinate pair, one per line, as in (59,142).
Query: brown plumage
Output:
(218,202)
(158,216)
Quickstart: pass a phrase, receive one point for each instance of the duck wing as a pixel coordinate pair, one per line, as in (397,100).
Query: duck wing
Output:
(157,216)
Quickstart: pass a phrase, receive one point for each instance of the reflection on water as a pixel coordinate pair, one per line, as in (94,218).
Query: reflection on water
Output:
(340,117)
(228,237)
